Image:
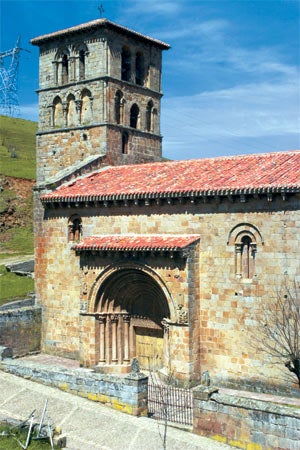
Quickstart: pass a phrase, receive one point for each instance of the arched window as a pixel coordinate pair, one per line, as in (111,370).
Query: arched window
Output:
(86,107)
(82,64)
(134,116)
(124,143)
(245,238)
(58,117)
(149,118)
(247,259)
(139,69)
(65,69)
(125,64)
(71,110)
(118,107)
(74,228)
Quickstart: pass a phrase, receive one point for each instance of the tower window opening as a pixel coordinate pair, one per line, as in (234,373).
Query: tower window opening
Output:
(124,143)
(134,116)
(58,118)
(81,64)
(118,107)
(125,65)
(149,118)
(139,69)
(65,69)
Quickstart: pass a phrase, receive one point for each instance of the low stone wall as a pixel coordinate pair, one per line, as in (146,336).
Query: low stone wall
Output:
(245,423)
(128,393)
(20,329)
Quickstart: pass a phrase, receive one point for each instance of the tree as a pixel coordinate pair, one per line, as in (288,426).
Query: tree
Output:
(279,328)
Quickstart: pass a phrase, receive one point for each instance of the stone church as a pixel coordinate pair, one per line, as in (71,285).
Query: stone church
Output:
(169,262)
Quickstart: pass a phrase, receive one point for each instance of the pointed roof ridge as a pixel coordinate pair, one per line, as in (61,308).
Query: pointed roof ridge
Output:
(96,23)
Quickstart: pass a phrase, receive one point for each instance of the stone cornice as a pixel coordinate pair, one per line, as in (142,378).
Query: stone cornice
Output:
(171,198)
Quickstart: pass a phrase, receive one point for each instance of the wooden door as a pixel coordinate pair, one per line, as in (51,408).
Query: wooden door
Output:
(149,348)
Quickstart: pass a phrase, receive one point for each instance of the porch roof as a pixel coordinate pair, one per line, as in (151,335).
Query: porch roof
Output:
(156,242)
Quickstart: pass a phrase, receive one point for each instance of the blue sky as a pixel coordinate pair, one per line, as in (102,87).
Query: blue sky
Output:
(230,80)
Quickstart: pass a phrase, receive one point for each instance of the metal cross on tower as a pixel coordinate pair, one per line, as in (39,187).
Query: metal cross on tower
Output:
(9,102)
(101,10)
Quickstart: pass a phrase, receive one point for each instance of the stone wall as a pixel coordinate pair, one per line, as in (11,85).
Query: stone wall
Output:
(245,423)
(77,116)
(128,394)
(223,305)
(20,329)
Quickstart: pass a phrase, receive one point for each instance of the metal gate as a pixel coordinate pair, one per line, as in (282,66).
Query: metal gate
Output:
(170,403)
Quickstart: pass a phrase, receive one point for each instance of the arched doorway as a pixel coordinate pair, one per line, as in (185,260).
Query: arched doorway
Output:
(130,306)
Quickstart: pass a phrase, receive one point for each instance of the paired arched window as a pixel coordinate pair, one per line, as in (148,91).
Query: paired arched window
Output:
(134,116)
(125,64)
(139,69)
(70,64)
(74,228)
(62,66)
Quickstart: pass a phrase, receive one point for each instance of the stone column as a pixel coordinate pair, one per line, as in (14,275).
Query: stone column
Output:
(65,113)
(78,104)
(252,260)
(126,322)
(108,340)
(238,260)
(114,322)
(132,343)
(102,339)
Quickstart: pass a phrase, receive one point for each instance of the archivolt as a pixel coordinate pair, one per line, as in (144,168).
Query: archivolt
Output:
(242,229)
(134,289)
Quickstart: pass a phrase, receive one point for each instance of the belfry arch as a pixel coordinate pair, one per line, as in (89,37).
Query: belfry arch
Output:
(130,306)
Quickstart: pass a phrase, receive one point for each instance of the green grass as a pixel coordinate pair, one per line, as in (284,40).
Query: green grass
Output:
(20,433)
(20,241)
(13,287)
(17,138)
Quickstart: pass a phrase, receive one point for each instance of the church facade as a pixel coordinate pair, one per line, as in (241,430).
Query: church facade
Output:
(170,262)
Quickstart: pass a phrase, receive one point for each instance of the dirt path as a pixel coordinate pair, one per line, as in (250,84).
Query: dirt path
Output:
(14,259)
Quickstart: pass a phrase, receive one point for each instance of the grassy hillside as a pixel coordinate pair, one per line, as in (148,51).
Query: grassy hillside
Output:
(17,147)
(17,174)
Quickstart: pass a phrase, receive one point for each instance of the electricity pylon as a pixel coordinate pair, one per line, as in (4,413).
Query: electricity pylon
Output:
(9,101)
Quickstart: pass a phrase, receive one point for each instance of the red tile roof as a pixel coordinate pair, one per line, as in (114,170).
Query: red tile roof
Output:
(98,23)
(259,173)
(134,242)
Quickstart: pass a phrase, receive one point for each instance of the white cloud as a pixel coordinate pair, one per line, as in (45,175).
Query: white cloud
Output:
(154,7)
(210,29)
(247,116)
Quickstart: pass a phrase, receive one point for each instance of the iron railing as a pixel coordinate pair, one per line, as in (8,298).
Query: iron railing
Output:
(170,403)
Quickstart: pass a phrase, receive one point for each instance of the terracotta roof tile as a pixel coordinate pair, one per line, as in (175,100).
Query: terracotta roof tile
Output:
(134,242)
(270,172)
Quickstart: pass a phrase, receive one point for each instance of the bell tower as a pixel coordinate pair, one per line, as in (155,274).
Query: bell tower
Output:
(99,99)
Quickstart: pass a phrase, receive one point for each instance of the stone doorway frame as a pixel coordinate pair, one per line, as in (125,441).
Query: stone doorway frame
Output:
(115,331)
